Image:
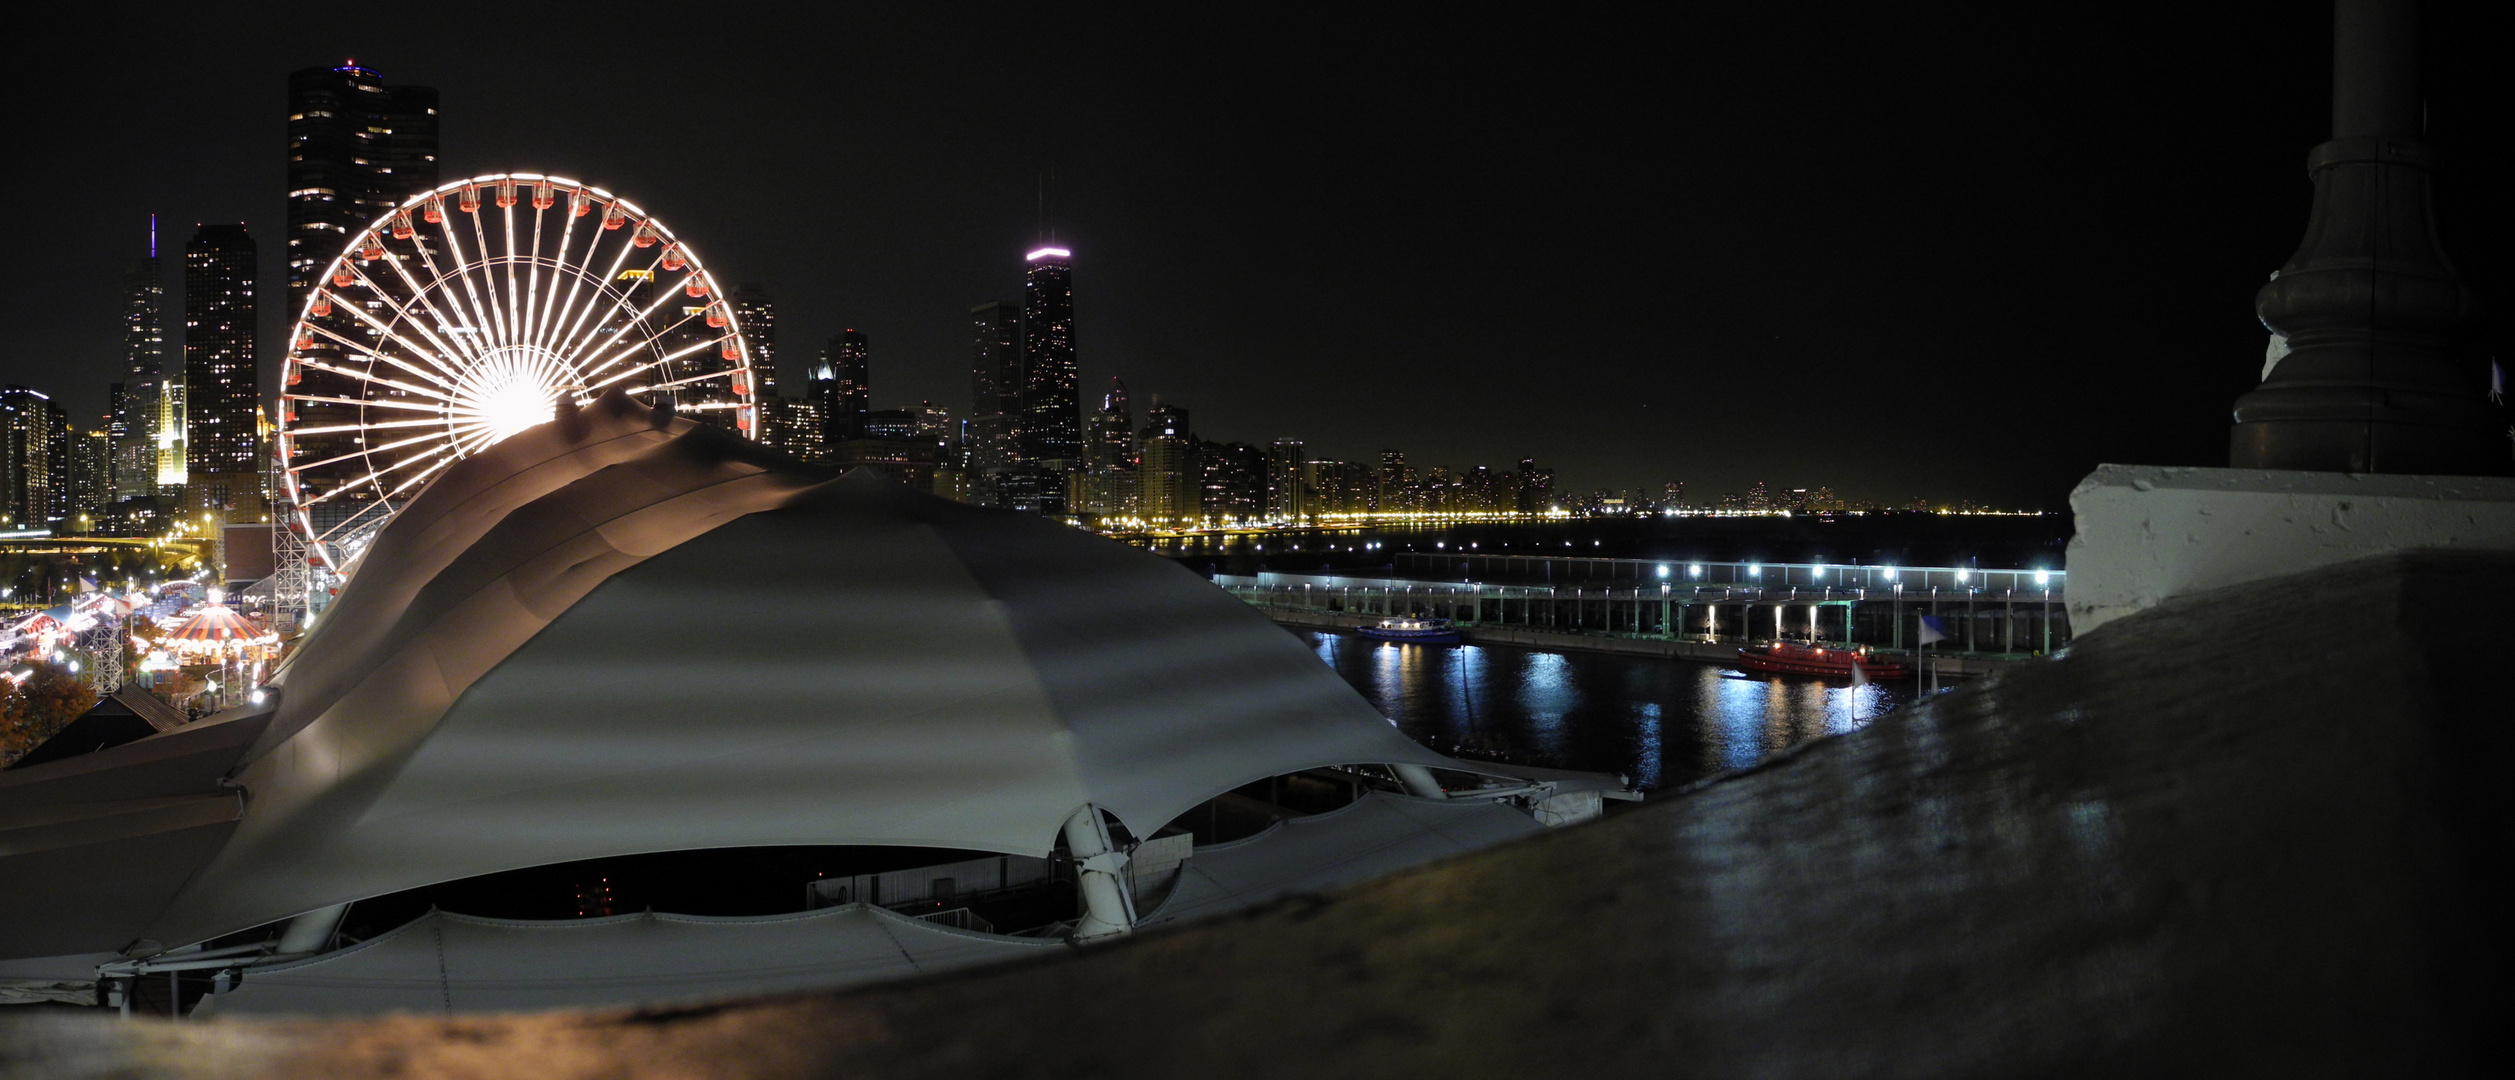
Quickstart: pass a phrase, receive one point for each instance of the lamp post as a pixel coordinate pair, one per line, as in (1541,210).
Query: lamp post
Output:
(2376,378)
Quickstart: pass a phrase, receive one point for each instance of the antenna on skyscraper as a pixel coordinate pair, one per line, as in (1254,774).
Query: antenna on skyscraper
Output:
(1047,219)
(152,236)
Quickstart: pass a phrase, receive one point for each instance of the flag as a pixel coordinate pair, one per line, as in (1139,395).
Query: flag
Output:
(1932,629)
(1859,675)
(2497,381)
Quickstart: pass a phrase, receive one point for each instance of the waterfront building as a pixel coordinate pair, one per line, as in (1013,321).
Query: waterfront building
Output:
(1052,418)
(30,455)
(1109,476)
(1287,496)
(132,423)
(1232,480)
(356,149)
(222,458)
(1536,487)
(1169,485)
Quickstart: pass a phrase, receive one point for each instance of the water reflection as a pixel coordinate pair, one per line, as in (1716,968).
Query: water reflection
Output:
(1662,723)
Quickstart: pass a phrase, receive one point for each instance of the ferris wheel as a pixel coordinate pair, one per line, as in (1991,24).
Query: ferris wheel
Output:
(465,316)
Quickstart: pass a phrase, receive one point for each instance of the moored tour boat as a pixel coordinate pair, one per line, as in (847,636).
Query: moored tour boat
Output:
(1424,631)
(1796,659)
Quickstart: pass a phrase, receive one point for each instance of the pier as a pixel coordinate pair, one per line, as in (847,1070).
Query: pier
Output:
(1988,615)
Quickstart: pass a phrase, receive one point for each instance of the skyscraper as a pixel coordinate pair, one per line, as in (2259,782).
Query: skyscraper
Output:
(222,460)
(756,312)
(30,458)
(133,422)
(1287,496)
(356,148)
(849,361)
(1169,486)
(1109,472)
(995,407)
(1052,417)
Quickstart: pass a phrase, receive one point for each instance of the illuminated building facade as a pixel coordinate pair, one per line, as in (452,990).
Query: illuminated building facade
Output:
(222,459)
(356,148)
(756,312)
(1233,479)
(1169,485)
(88,478)
(132,423)
(1052,417)
(1109,456)
(31,441)
(1287,495)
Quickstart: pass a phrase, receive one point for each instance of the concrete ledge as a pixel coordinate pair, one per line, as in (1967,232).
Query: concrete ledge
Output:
(2146,532)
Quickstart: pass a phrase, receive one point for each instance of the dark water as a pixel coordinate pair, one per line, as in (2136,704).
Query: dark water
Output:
(1662,723)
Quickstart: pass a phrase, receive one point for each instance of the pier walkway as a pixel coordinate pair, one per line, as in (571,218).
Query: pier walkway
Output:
(1985,614)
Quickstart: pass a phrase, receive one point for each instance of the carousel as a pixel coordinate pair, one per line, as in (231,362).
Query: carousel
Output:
(216,643)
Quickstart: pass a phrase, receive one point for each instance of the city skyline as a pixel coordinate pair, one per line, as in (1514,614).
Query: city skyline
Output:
(1883,281)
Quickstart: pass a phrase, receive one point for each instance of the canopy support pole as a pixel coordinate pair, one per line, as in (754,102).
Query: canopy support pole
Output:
(1419,781)
(1107,910)
(310,932)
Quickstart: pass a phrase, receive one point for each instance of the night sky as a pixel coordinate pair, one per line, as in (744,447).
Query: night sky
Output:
(1898,249)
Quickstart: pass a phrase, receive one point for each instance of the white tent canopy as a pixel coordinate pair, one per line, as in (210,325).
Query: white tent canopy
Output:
(622,633)
(1378,835)
(446,963)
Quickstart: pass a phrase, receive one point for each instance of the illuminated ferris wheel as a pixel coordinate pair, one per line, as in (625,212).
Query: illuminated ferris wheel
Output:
(465,316)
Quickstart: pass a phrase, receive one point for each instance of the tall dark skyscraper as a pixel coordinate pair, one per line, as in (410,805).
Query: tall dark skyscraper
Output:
(356,148)
(995,376)
(223,460)
(849,360)
(132,425)
(1052,417)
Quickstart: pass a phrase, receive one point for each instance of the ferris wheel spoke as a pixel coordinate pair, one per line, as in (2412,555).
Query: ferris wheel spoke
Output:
(379,380)
(556,313)
(370,375)
(580,335)
(448,352)
(378,474)
(653,364)
(621,352)
(376,425)
(685,380)
(427,295)
(378,403)
(536,301)
(463,275)
(434,358)
(514,306)
(364,451)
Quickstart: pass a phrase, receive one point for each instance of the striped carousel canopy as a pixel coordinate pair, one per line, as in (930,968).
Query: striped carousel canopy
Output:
(216,627)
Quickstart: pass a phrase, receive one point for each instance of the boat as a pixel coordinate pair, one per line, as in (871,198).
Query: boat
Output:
(1421,631)
(1792,658)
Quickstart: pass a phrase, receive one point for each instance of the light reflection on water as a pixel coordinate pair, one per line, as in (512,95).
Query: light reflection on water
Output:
(1663,723)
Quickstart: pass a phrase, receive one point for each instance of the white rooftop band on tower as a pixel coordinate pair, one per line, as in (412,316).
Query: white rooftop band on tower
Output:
(462,317)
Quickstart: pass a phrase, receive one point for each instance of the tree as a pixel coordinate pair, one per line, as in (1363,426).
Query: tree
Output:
(39,707)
